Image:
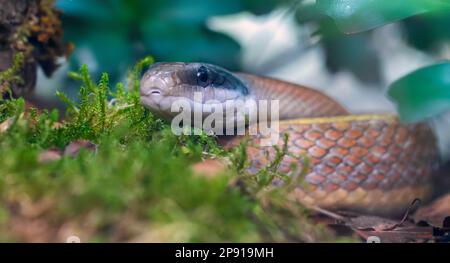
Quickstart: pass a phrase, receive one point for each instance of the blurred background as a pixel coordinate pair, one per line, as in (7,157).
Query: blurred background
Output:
(279,38)
(290,40)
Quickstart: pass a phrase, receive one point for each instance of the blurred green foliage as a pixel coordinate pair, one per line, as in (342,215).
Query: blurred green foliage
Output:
(423,93)
(428,31)
(354,52)
(347,35)
(419,95)
(10,76)
(112,34)
(119,32)
(354,16)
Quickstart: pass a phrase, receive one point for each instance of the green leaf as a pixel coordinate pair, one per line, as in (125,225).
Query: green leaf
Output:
(87,9)
(111,50)
(423,93)
(353,16)
(175,41)
(112,34)
(428,31)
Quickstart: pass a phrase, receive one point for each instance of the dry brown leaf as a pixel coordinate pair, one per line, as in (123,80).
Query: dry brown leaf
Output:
(4,126)
(74,148)
(407,234)
(435,213)
(209,168)
(387,230)
(50,155)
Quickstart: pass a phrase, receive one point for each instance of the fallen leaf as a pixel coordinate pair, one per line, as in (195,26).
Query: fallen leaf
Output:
(50,155)
(4,126)
(209,168)
(57,125)
(387,230)
(74,148)
(371,223)
(409,234)
(435,213)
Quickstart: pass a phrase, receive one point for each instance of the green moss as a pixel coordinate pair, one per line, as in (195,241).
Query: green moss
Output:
(9,76)
(138,184)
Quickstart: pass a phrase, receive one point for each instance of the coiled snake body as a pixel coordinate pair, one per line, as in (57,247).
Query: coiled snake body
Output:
(370,163)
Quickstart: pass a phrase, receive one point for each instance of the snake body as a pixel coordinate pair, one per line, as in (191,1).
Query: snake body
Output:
(371,163)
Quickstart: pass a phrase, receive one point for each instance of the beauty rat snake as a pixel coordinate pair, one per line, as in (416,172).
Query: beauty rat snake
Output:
(370,163)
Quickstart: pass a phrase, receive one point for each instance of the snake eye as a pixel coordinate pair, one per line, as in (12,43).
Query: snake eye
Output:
(202,76)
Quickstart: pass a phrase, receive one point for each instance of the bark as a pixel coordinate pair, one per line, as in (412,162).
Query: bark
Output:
(33,28)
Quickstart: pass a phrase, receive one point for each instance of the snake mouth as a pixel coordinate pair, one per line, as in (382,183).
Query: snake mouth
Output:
(155,92)
(150,92)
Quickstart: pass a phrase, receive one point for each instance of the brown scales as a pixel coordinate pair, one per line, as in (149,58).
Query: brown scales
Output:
(371,163)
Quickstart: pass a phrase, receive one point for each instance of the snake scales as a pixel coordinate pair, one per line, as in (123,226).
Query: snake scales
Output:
(370,163)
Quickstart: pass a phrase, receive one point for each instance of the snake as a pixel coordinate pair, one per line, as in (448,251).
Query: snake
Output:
(371,163)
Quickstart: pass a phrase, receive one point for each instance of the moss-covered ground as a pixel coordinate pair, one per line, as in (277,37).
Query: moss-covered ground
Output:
(138,184)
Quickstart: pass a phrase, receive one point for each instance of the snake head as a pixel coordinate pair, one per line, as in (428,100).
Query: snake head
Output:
(165,83)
